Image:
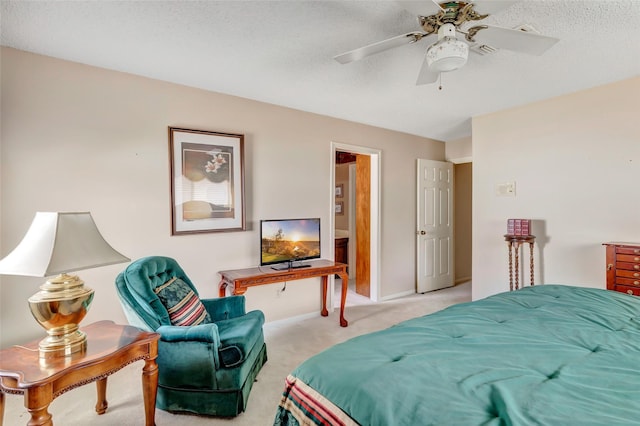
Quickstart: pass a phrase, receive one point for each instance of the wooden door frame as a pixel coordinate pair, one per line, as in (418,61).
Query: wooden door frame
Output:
(375,155)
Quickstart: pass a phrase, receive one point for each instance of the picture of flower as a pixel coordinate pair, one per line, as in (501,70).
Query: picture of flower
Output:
(215,163)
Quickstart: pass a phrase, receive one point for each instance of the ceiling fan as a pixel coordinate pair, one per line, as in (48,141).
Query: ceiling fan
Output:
(442,23)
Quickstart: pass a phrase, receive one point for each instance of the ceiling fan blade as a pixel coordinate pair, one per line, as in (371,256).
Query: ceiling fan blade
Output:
(420,7)
(489,7)
(378,47)
(515,40)
(426,76)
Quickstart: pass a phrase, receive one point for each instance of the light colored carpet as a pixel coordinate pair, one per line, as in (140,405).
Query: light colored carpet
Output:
(353,298)
(288,344)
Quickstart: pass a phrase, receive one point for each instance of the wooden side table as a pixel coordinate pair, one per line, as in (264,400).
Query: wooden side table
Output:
(109,348)
(514,242)
(239,280)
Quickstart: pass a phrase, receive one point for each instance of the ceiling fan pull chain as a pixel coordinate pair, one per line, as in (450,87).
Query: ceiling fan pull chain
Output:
(440,81)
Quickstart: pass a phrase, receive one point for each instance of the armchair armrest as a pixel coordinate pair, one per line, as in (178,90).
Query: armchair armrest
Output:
(225,307)
(202,340)
(206,333)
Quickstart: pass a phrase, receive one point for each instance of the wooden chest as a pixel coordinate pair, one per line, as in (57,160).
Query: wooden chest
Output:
(623,267)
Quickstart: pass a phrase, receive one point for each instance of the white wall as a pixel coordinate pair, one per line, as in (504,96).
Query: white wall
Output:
(80,138)
(575,160)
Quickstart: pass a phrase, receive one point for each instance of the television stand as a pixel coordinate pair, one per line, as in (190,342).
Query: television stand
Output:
(237,281)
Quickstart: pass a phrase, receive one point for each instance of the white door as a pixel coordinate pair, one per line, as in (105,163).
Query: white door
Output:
(435,225)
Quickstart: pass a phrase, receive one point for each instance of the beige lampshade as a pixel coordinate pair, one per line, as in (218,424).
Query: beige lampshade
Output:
(57,243)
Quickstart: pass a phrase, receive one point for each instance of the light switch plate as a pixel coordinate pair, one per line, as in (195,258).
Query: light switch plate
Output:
(507,189)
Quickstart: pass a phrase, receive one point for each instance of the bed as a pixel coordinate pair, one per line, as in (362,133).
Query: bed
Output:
(543,355)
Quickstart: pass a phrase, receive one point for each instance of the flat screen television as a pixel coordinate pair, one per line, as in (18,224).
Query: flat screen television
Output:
(284,243)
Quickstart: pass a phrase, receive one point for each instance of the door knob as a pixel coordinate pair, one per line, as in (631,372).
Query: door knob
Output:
(421,232)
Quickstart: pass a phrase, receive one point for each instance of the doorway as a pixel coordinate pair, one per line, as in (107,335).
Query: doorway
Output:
(463,183)
(355,186)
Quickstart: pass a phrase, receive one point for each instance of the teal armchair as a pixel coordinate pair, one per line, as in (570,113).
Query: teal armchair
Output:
(207,368)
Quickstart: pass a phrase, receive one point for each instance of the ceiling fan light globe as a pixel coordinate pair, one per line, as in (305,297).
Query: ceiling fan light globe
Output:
(447,54)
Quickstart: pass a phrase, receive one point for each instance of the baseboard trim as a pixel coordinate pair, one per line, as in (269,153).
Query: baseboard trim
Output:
(462,280)
(290,320)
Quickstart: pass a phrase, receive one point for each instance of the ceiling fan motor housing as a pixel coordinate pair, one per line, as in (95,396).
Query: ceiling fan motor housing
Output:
(448,53)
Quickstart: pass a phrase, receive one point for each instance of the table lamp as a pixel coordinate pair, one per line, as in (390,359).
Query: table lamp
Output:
(57,244)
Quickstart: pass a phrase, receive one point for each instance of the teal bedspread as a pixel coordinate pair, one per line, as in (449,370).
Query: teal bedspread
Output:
(544,355)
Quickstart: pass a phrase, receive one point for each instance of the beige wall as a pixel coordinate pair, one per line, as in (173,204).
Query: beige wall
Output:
(459,150)
(81,138)
(575,160)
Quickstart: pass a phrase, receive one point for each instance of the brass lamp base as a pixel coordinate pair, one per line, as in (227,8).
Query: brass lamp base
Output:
(64,345)
(59,306)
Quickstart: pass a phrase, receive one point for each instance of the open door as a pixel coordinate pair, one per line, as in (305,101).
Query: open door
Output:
(434,232)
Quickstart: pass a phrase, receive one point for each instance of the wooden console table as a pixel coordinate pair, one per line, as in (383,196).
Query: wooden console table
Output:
(239,280)
(109,348)
(514,242)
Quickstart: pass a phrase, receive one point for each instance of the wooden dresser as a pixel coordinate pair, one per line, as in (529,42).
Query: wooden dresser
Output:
(623,267)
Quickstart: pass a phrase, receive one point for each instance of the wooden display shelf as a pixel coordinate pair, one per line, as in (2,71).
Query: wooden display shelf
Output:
(514,242)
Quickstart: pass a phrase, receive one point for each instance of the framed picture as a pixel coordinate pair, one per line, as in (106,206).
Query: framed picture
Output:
(339,207)
(339,191)
(207,181)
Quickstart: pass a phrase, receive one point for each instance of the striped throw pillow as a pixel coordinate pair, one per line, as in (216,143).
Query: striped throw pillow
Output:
(183,305)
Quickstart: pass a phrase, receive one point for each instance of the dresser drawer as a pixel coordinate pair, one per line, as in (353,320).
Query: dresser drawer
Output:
(628,266)
(628,274)
(627,250)
(628,281)
(634,291)
(628,258)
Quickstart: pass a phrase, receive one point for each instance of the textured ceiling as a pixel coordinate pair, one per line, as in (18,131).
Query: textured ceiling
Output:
(281,52)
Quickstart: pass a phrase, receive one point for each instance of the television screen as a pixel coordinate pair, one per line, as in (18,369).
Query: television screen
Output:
(289,240)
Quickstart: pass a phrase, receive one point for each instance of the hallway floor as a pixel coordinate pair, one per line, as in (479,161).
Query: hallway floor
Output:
(353,298)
